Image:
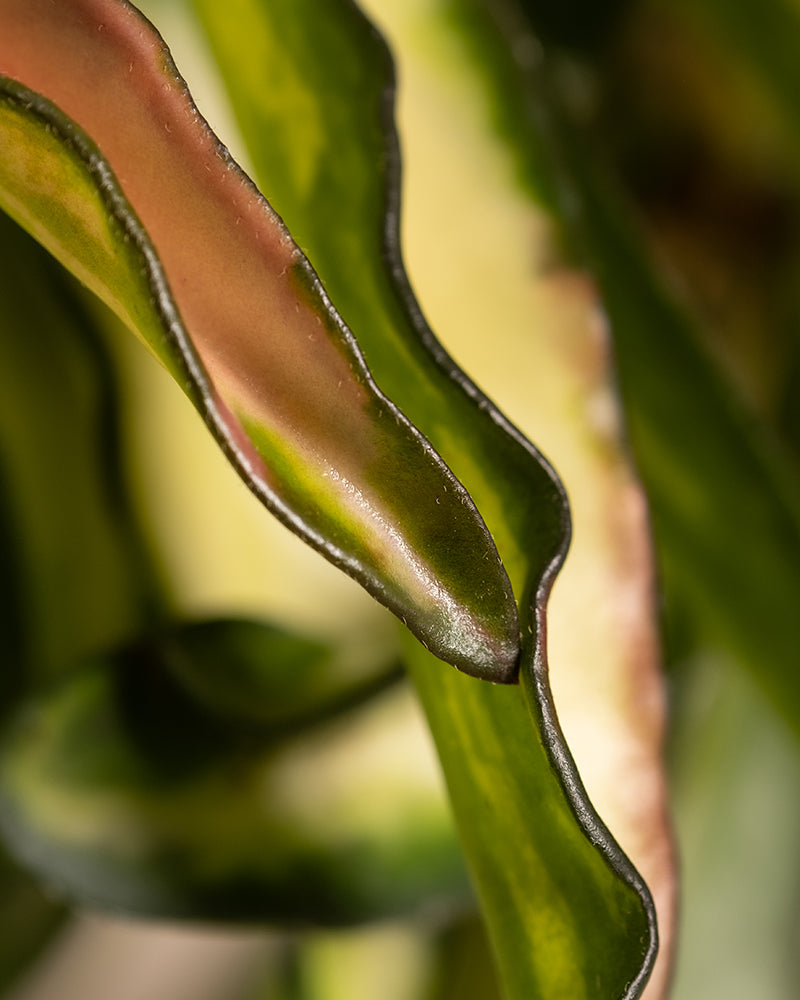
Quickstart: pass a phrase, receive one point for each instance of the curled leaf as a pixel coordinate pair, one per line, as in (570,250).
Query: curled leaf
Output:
(567,914)
(156,219)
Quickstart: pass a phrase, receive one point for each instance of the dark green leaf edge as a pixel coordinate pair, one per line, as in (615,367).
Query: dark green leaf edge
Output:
(534,670)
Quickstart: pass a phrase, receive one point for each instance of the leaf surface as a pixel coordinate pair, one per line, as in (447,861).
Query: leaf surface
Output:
(239,675)
(515,489)
(514,787)
(164,227)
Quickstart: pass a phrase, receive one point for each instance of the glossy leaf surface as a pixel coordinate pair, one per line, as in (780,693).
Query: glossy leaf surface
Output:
(492,752)
(524,505)
(539,872)
(269,364)
(342,202)
(249,685)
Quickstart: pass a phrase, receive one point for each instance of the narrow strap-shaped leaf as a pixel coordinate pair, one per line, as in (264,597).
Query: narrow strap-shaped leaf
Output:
(313,87)
(250,685)
(153,215)
(566,918)
(517,464)
(564,908)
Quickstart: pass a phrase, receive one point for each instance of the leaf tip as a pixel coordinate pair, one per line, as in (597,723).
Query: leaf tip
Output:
(482,640)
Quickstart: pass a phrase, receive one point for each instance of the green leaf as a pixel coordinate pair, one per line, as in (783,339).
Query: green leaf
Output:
(736,769)
(714,475)
(764,38)
(31,918)
(229,304)
(73,574)
(723,492)
(593,887)
(564,907)
(122,792)
(515,790)
(333,172)
(257,674)
(462,963)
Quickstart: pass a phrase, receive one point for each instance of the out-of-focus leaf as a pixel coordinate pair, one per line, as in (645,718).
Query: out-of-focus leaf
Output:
(387,961)
(764,37)
(575,23)
(165,228)
(30,918)
(120,792)
(72,573)
(515,790)
(13,635)
(261,675)
(736,770)
(713,476)
(462,964)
